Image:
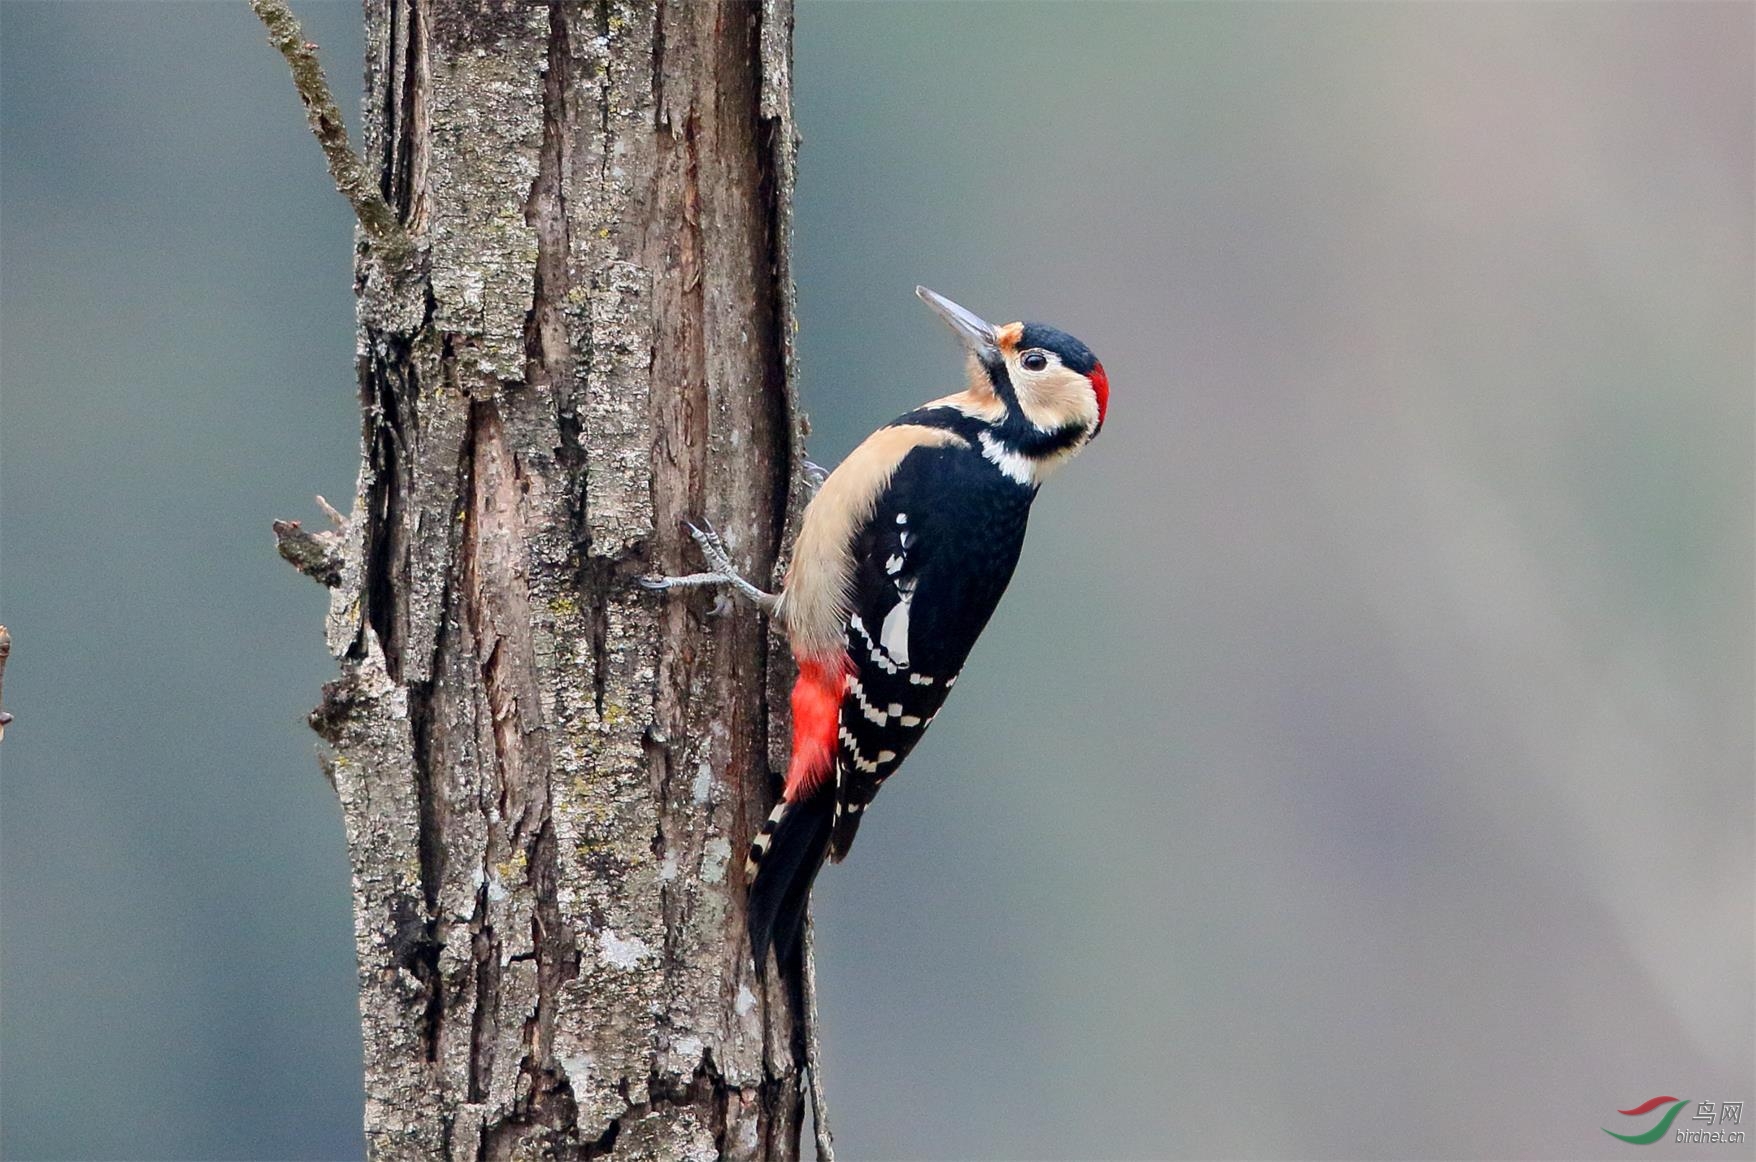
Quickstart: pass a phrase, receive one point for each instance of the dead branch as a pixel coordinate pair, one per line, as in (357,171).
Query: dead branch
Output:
(351,178)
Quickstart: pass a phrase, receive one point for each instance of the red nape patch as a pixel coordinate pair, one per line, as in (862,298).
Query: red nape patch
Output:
(1100,383)
(816,724)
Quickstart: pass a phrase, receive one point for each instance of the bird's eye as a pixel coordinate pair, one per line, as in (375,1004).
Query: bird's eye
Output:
(1034,361)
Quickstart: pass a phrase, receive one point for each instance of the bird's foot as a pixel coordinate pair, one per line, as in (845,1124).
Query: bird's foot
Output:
(815,475)
(722,573)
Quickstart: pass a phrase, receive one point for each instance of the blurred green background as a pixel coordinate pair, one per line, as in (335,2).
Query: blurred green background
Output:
(1361,765)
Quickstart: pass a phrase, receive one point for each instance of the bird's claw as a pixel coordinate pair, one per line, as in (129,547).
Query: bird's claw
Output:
(815,475)
(721,572)
(712,548)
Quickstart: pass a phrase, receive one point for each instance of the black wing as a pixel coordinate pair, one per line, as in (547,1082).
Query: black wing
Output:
(929,567)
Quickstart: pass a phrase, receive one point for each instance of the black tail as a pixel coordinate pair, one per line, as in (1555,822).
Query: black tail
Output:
(784,861)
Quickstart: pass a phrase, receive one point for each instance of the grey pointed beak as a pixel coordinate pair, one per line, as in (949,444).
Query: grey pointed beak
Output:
(977,333)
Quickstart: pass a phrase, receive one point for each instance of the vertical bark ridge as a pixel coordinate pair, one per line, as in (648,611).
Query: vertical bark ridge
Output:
(545,772)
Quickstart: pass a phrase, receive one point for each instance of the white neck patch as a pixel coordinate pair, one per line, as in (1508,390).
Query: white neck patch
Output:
(1014,465)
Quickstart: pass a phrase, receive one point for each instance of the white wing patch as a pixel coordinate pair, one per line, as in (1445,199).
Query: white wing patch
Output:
(893,636)
(890,652)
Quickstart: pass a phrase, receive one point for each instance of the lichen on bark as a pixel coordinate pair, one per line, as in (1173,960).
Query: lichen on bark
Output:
(544,771)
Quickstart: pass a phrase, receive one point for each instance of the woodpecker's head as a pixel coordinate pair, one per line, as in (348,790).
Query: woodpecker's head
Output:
(1037,373)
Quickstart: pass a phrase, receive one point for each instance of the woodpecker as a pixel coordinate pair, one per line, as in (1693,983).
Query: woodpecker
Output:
(902,556)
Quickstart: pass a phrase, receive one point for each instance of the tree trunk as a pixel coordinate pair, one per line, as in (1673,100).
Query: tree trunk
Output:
(548,775)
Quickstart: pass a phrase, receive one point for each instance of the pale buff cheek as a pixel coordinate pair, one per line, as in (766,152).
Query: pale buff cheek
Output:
(1055,398)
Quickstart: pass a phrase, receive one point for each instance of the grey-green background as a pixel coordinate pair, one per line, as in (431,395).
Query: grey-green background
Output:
(1361,764)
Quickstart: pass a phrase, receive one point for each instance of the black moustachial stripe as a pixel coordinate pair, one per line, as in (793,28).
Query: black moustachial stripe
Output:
(1014,430)
(949,419)
(1032,441)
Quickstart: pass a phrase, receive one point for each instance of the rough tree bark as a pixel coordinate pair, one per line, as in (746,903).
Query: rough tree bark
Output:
(574,332)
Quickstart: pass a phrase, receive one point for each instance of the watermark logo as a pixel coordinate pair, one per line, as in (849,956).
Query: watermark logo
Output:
(1729,1113)
(1646,1107)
